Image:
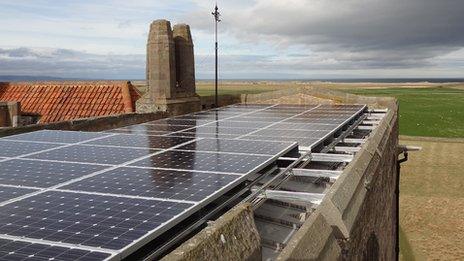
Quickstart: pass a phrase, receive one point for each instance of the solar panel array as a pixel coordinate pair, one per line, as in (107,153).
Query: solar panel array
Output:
(103,195)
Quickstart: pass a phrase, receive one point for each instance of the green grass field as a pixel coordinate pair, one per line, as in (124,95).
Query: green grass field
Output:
(432,112)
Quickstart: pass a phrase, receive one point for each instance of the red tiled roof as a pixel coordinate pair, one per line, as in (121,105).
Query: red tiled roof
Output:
(58,101)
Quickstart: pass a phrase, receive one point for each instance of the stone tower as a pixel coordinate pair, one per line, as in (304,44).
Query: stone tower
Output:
(185,60)
(161,60)
(170,70)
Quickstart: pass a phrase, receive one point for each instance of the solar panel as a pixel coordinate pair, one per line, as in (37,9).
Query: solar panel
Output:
(290,133)
(303,126)
(138,132)
(238,124)
(204,135)
(202,161)
(236,146)
(42,174)
(88,220)
(307,142)
(7,193)
(156,183)
(104,195)
(93,154)
(260,119)
(23,250)
(157,127)
(57,136)
(15,148)
(141,141)
(220,130)
(175,121)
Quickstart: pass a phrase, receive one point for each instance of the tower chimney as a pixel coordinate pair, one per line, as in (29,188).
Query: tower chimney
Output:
(161,60)
(185,61)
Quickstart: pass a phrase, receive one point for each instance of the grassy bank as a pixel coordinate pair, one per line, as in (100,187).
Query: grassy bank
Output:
(433,112)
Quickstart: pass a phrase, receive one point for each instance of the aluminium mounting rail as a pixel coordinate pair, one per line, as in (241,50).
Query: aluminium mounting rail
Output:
(269,190)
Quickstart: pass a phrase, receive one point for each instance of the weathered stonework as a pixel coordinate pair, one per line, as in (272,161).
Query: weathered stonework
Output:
(88,124)
(161,60)
(233,236)
(9,114)
(185,61)
(170,82)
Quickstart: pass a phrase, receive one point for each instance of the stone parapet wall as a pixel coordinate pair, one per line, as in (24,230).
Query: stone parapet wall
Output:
(208,102)
(233,236)
(88,124)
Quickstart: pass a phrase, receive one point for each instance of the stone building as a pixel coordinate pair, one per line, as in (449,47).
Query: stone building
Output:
(340,203)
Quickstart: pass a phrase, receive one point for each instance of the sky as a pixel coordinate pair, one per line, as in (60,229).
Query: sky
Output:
(259,39)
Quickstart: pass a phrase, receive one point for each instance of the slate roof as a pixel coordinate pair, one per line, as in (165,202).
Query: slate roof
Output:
(59,101)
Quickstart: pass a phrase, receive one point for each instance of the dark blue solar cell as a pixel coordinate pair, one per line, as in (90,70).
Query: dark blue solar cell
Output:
(202,161)
(89,220)
(14,148)
(158,127)
(7,193)
(204,135)
(141,141)
(238,124)
(290,133)
(309,142)
(304,126)
(34,173)
(138,132)
(93,154)
(57,136)
(175,121)
(220,130)
(23,250)
(169,184)
(237,146)
(260,119)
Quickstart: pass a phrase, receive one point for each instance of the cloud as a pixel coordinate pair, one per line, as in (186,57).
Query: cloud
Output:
(366,34)
(272,38)
(70,64)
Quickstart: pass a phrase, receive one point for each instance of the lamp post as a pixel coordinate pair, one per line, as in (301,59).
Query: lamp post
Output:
(216,15)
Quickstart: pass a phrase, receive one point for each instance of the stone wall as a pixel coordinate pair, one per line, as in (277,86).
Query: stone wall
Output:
(233,236)
(9,114)
(88,124)
(208,102)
